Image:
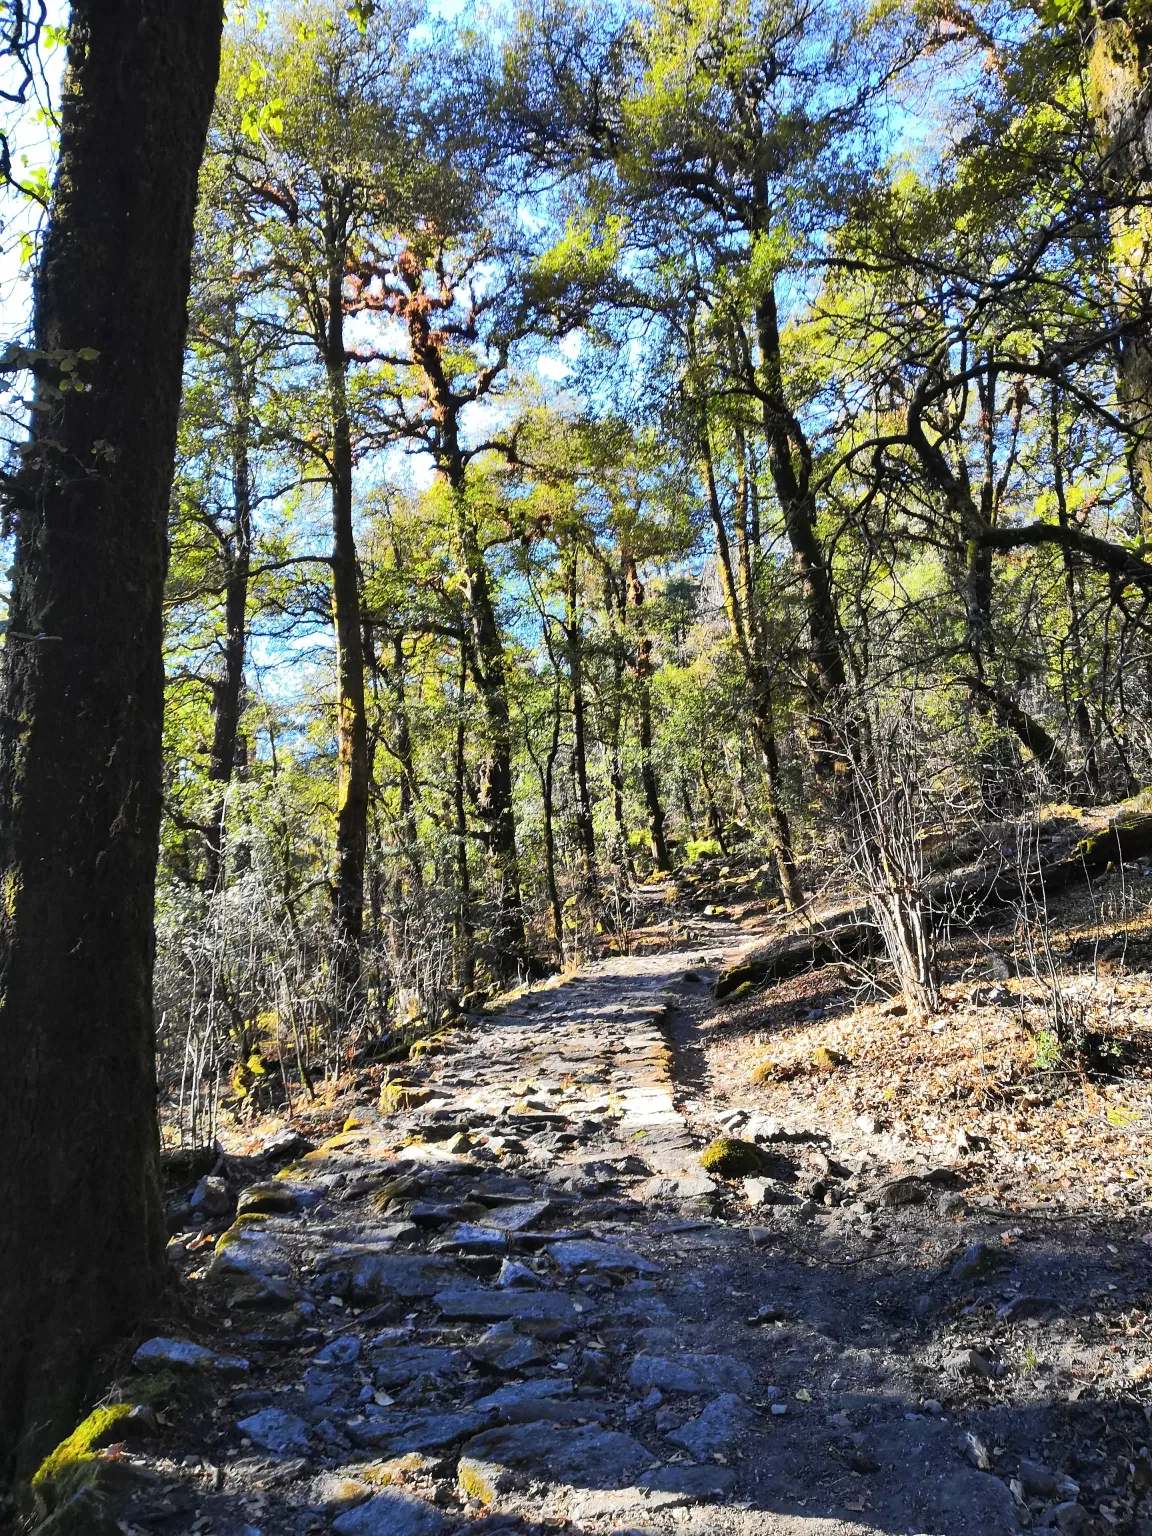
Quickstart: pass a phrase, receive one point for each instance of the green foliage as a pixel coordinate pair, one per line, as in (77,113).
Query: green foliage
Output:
(641,330)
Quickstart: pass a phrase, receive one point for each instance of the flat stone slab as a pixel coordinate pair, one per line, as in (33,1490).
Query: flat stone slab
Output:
(507,1352)
(722,1425)
(662,1488)
(493,1306)
(277,1197)
(468,1238)
(688,1186)
(398,1433)
(391,1513)
(276,1431)
(687,1485)
(439,1213)
(246,1251)
(344,1350)
(529,1402)
(409,1275)
(514,1217)
(586,1457)
(500,1190)
(690,1373)
(397,1365)
(183,1355)
(540,1386)
(574,1256)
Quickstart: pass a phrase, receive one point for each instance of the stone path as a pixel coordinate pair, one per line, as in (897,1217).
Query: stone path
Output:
(510,1300)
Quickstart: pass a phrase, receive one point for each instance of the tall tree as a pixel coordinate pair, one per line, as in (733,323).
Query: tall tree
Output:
(722,140)
(80,730)
(312,131)
(1119,48)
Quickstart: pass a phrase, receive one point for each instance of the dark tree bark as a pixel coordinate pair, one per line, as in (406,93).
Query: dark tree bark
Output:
(547,772)
(464,946)
(353,768)
(1119,75)
(227,688)
(574,638)
(615,611)
(747,638)
(1073,671)
(509,941)
(82,1236)
(790,465)
(715,824)
(975,512)
(642,667)
(405,762)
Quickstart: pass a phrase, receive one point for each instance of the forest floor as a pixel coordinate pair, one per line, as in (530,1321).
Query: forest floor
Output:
(505,1296)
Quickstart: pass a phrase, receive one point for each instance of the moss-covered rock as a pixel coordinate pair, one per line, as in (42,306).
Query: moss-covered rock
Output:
(825,1059)
(730,1158)
(479,1481)
(742,989)
(433,1045)
(402,1188)
(396,1469)
(398,1096)
(158,1389)
(295,1170)
(339,1142)
(74,1465)
(240,1228)
(271,1199)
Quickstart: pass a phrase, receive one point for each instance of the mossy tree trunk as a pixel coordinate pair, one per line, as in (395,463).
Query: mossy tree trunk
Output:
(1120,75)
(574,644)
(642,669)
(82,1234)
(228,687)
(488,661)
(353,779)
(747,637)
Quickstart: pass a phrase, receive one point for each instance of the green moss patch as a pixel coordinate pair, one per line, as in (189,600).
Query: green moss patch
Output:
(731,1158)
(74,1465)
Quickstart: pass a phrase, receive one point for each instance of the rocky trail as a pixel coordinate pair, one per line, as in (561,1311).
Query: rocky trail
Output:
(509,1298)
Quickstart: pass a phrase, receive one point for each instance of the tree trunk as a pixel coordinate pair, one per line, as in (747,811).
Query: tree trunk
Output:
(464,947)
(789,463)
(746,638)
(619,819)
(80,730)
(715,824)
(643,671)
(508,937)
(547,777)
(585,831)
(228,687)
(686,803)
(402,750)
(353,773)
(1074,677)
(1119,75)
(615,613)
